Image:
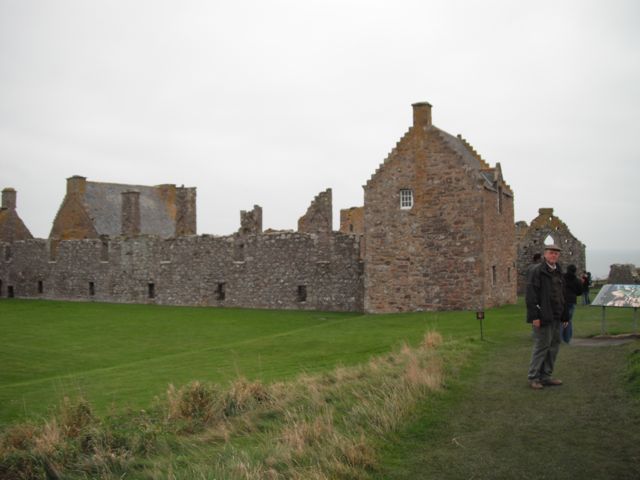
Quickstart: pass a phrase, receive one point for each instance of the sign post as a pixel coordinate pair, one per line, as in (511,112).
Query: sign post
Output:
(480,316)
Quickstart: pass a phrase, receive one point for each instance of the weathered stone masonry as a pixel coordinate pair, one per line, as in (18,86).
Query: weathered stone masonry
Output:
(436,232)
(451,245)
(194,270)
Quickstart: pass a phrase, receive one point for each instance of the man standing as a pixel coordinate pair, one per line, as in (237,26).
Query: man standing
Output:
(545,310)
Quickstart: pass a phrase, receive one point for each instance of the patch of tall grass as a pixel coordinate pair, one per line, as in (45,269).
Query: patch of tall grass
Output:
(313,427)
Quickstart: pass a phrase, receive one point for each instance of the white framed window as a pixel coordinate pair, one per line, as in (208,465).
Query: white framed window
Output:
(406,198)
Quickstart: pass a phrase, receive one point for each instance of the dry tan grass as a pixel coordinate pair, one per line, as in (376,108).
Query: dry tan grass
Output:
(318,426)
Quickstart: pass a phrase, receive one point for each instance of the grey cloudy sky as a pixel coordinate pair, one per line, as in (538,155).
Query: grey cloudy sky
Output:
(270,102)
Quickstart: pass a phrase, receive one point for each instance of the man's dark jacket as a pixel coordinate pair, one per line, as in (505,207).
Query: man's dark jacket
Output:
(543,286)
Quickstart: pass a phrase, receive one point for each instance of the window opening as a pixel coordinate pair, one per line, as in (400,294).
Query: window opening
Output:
(221,291)
(406,198)
(494,275)
(40,286)
(549,240)
(92,289)
(0,288)
(152,290)
(104,248)
(10,293)
(302,293)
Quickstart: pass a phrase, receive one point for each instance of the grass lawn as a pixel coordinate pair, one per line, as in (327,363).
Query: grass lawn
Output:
(125,355)
(486,423)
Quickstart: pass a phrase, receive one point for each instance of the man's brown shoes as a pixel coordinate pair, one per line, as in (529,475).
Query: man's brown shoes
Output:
(552,382)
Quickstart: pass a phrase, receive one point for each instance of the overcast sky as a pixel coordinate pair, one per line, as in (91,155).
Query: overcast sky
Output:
(270,102)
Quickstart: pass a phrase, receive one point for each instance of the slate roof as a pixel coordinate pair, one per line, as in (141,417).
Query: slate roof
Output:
(104,206)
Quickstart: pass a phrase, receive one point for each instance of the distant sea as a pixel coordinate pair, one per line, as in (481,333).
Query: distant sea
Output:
(599,261)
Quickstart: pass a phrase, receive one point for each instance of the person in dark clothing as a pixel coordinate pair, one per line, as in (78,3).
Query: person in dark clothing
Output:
(586,284)
(572,288)
(545,311)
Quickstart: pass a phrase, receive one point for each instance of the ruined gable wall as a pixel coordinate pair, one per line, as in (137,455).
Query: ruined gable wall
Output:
(319,215)
(426,257)
(544,225)
(189,271)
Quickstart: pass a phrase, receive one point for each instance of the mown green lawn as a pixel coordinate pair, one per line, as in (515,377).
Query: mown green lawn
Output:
(486,423)
(125,355)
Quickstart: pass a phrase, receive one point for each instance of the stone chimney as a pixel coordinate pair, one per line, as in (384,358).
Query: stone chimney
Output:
(9,199)
(185,211)
(421,114)
(76,185)
(130,213)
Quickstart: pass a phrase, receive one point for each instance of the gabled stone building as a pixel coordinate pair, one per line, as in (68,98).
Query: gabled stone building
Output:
(95,209)
(438,226)
(545,229)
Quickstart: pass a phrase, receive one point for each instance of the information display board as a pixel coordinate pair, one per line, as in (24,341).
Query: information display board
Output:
(620,296)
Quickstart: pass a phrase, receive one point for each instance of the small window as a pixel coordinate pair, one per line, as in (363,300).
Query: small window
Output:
(302,293)
(92,289)
(494,275)
(40,286)
(10,293)
(221,291)
(406,198)
(0,288)
(152,290)
(509,274)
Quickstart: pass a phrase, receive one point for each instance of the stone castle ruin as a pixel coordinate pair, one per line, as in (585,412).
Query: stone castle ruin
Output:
(436,232)
(546,229)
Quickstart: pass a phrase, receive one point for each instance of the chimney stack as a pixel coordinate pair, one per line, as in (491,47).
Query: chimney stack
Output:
(421,114)
(130,214)
(9,199)
(76,185)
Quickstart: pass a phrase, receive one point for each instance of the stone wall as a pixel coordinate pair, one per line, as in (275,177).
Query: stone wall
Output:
(499,258)
(277,270)
(531,240)
(319,215)
(623,274)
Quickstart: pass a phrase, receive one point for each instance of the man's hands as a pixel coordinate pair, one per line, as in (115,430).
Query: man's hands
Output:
(536,323)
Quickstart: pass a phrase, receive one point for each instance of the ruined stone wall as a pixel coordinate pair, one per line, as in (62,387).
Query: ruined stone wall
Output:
(279,270)
(427,257)
(532,241)
(623,274)
(352,220)
(319,215)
